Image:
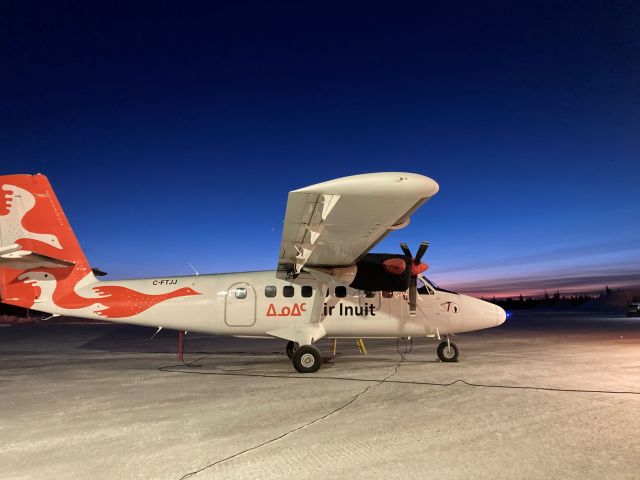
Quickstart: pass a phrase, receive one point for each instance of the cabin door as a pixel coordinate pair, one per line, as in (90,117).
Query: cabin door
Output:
(240,305)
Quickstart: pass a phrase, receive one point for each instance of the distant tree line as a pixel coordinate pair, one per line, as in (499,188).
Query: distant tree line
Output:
(523,303)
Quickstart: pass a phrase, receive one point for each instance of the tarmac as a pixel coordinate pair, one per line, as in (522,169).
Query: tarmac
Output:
(543,396)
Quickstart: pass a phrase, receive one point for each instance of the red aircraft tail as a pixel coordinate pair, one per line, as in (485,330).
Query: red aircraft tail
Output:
(35,235)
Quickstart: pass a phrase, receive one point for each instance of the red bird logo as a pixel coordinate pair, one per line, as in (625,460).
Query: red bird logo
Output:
(124,302)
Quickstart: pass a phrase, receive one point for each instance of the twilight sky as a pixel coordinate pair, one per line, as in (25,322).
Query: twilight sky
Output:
(172,131)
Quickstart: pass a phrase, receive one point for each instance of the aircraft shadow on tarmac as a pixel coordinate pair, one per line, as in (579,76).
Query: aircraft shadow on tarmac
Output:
(139,339)
(133,339)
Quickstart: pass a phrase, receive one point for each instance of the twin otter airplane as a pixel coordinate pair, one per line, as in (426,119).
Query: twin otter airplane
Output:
(327,283)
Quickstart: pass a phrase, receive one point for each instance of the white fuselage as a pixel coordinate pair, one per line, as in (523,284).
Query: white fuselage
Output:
(254,304)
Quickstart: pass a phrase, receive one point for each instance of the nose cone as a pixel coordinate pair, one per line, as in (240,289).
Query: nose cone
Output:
(478,314)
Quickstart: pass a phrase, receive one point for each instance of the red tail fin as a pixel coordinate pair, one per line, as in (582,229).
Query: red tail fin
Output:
(35,235)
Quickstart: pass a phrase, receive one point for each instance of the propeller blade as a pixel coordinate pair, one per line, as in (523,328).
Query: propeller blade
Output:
(405,249)
(421,251)
(413,293)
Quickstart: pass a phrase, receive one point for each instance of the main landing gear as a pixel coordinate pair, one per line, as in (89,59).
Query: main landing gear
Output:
(305,358)
(291,349)
(448,351)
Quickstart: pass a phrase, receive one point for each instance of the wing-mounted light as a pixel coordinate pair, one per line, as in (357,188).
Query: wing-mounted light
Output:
(400,225)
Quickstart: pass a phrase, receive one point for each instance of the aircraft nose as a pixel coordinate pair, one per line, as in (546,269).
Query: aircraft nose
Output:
(502,315)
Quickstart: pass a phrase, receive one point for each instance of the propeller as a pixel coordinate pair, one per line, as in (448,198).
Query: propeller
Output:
(417,267)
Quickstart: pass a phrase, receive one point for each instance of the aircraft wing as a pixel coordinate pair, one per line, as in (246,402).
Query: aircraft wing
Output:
(335,223)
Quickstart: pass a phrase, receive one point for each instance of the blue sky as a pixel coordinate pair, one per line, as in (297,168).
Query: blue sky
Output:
(172,133)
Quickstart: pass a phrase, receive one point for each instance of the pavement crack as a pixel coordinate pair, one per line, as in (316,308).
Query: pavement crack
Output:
(460,381)
(300,427)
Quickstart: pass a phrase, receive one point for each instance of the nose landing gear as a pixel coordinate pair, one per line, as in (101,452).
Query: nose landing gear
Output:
(448,351)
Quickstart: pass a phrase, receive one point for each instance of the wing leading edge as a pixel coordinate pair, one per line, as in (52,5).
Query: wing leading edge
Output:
(335,223)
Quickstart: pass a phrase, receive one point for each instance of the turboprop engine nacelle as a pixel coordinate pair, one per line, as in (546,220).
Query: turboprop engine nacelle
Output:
(344,275)
(374,272)
(383,272)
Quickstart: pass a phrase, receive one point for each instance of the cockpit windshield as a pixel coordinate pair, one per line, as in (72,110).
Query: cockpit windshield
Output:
(435,286)
(432,283)
(425,288)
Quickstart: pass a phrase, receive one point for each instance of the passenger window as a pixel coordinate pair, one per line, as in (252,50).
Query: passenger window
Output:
(341,292)
(270,291)
(241,293)
(387,294)
(287,291)
(370,294)
(307,291)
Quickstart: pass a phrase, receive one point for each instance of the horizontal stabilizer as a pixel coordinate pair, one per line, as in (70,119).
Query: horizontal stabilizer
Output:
(98,273)
(14,256)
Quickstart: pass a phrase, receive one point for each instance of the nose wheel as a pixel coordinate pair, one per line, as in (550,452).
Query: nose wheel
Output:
(448,351)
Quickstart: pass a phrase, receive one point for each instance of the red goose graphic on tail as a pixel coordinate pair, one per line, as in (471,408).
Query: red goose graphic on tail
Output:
(32,219)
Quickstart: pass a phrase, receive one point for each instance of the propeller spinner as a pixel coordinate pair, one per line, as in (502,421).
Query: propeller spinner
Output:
(417,267)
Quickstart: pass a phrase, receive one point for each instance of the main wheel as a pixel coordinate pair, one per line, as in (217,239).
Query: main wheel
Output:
(448,352)
(291,349)
(307,359)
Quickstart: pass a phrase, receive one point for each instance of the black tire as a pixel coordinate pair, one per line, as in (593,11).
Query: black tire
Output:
(291,349)
(448,355)
(307,359)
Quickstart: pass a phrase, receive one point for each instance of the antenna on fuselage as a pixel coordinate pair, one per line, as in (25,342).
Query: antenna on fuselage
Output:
(193,268)
(157,332)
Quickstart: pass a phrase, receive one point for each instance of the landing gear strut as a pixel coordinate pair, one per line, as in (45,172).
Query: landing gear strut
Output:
(291,349)
(307,359)
(448,351)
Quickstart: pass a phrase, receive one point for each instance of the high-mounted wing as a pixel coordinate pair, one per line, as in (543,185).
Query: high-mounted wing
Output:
(335,223)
